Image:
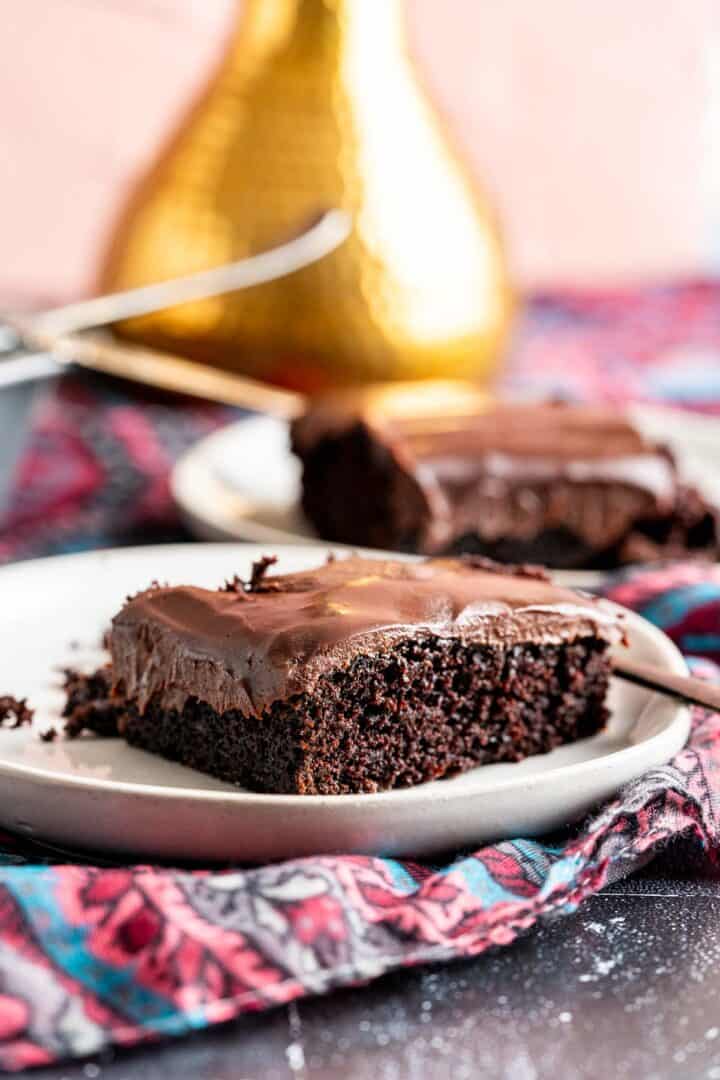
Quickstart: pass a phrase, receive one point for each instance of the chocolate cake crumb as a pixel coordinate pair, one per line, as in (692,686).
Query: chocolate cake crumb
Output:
(49,735)
(89,705)
(14,712)
(257,574)
(235,585)
(256,582)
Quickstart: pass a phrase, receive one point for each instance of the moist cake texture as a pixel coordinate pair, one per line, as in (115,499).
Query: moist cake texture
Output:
(362,675)
(566,486)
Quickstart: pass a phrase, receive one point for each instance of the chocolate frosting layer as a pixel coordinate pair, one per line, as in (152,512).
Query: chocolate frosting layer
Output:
(236,650)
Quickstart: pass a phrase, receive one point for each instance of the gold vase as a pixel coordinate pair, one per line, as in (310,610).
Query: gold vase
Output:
(318,104)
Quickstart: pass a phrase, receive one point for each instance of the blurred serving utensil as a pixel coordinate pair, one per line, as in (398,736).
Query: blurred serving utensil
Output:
(161,370)
(39,345)
(164,371)
(326,234)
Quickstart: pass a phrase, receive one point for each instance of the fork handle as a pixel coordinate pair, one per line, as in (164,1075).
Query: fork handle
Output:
(684,687)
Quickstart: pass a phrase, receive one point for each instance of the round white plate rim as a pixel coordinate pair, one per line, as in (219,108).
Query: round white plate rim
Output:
(363,802)
(192,472)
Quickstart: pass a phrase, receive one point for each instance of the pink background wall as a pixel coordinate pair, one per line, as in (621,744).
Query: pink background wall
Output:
(595,126)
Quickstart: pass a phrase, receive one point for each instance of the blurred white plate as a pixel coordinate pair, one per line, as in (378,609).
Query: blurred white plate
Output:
(102,794)
(243,483)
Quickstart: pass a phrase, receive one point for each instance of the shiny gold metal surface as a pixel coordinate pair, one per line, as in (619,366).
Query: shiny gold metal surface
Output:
(318,104)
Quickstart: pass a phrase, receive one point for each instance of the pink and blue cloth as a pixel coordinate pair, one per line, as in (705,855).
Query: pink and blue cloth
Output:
(93,956)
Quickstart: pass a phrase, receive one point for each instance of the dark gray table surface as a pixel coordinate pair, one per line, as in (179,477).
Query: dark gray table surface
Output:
(629,986)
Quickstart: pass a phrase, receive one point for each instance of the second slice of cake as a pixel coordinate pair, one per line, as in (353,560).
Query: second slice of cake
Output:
(361,675)
(565,486)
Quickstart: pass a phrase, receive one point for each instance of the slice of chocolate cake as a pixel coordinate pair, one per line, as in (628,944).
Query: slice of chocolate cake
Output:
(566,486)
(361,675)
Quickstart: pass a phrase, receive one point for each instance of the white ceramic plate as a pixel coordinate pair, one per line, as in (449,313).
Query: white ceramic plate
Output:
(102,794)
(243,483)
